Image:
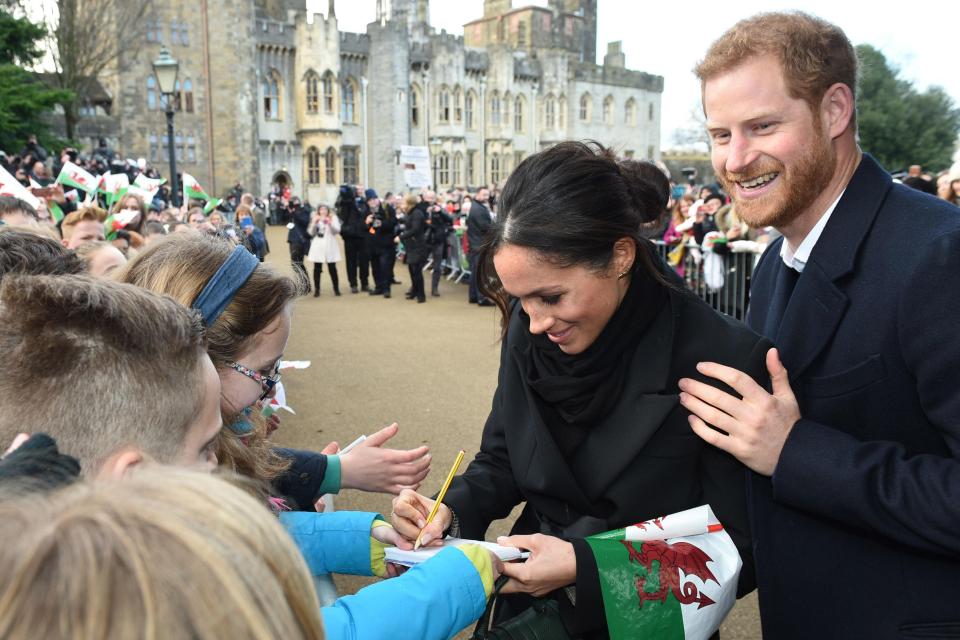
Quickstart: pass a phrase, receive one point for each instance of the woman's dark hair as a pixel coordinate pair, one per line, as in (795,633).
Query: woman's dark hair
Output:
(570,204)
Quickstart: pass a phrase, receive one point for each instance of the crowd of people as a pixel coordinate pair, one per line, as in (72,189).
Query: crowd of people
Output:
(141,494)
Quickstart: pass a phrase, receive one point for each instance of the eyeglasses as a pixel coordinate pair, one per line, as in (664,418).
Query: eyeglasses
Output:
(267,383)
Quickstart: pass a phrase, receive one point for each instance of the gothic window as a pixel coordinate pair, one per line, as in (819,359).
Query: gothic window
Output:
(471,101)
(313,166)
(188,96)
(178,146)
(630,113)
(443,105)
(518,108)
(562,113)
(494,168)
(507,103)
(191,148)
(457,105)
(154,148)
(184,37)
(550,113)
(348,102)
(522,33)
(271,95)
(330,166)
(471,167)
(586,106)
(457,168)
(495,109)
(151,93)
(174,32)
(415,105)
(312,82)
(327,92)
(165,142)
(152,28)
(608,110)
(349,159)
(177,96)
(443,169)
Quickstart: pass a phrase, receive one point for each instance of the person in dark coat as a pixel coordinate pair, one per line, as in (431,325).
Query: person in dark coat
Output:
(479,222)
(586,426)
(855,491)
(355,235)
(299,241)
(415,245)
(439,223)
(381,225)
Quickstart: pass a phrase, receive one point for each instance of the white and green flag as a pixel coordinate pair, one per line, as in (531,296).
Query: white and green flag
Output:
(9,186)
(78,178)
(148,184)
(192,189)
(115,185)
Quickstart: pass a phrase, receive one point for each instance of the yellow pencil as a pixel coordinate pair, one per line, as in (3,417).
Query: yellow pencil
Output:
(443,492)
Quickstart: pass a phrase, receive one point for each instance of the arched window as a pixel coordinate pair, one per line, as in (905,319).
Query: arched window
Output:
(457,168)
(330,165)
(191,148)
(443,105)
(630,113)
(443,169)
(348,101)
(550,113)
(495,109)
(188,96)
(313,166)
(469,104)
(178,146)
(271,95)
(586,107)
(151,93)
(327,84)
(348,156)
(154,148)
(415,99)
(608,110)
(312,82)
(507,103)
(494,168)
(518,108)
(177,103)
(562,108)
(457,105)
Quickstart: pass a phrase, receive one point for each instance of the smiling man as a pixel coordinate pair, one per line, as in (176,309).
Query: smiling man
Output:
(856,453)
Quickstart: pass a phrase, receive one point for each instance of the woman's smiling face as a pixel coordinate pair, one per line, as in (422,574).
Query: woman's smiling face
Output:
(572,304)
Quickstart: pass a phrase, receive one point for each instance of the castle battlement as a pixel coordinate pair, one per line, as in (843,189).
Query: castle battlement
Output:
(357,43)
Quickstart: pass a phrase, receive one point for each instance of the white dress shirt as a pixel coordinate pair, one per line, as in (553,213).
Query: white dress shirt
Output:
(798,259)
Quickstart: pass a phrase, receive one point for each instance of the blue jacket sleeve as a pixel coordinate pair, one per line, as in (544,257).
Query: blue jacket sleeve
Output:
(436,599)
(337,542)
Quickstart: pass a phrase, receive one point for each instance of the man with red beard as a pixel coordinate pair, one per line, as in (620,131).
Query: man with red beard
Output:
(855,455)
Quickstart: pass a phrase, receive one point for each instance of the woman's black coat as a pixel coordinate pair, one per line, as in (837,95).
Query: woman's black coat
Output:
(413,236)
(643,461)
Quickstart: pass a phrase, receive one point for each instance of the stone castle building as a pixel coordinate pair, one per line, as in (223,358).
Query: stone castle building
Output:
(272,92)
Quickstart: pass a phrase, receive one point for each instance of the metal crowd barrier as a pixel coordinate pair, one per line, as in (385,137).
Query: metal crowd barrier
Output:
(732,296)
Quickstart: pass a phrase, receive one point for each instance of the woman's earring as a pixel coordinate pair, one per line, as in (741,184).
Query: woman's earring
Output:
(623,275)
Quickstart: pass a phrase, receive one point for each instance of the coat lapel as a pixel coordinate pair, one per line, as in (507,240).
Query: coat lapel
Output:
(818,304)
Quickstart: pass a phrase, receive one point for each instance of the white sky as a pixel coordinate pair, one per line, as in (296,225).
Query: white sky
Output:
(668,38)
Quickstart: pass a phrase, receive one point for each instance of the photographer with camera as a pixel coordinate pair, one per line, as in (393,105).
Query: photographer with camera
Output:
(382,226)
(439,223)
(353,230)
(414,241)
(298,219)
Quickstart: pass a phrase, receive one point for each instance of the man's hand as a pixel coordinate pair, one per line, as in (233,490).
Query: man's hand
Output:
(371,468)
(410,511)
(551,566)
(755,426)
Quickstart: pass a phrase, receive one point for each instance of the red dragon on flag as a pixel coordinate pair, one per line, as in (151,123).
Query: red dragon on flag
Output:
(671,558)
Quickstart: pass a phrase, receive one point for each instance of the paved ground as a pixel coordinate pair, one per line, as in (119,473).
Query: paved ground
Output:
(430,367)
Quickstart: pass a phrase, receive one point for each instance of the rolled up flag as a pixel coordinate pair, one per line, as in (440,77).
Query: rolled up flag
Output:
(672,577)
(78,178)
(212,204)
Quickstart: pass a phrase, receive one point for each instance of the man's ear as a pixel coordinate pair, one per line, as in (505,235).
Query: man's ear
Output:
(837,109)
(120,463)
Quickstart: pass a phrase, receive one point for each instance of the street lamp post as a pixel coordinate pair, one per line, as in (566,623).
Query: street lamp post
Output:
(165,68)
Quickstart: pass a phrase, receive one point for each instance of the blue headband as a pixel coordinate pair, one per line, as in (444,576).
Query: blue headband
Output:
(224,284)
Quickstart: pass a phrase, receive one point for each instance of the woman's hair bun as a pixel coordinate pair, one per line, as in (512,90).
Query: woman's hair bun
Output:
(647,187)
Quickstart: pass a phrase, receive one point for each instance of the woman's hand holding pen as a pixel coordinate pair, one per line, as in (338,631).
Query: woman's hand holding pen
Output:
(410,511)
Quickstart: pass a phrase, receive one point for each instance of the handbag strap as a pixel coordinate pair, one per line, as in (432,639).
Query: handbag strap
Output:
(483,624)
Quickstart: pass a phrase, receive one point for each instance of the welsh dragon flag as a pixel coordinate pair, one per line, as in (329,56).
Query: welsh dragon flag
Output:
(117,221)
(10,187)
(673,577)
(148,184)
(192,189)
(115,185)
(78,178)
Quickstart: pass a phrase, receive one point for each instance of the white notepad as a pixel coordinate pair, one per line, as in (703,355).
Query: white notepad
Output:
(410,558)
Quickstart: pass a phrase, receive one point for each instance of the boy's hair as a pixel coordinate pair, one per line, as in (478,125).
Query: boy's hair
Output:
(92,213)
(99,366)
(166,553)
(12,204)
(30,252)
(813,53)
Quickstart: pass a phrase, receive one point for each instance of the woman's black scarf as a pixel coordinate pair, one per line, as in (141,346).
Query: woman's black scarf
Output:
(581,390)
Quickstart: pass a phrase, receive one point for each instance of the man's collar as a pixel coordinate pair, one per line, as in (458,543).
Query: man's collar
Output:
(798,259)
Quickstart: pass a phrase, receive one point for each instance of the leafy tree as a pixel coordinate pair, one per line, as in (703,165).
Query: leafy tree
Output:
(23,98)
(898,125)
